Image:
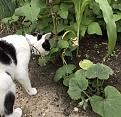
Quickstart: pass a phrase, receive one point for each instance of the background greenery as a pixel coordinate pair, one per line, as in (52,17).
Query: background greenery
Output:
(75,17)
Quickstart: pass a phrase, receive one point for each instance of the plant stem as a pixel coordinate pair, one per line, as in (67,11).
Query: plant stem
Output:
(62,57)
(54,19)
(86,94)
(97,85)
(78,40)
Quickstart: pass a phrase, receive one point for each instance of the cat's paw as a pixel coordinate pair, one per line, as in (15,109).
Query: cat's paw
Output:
(32,92)
(17,112)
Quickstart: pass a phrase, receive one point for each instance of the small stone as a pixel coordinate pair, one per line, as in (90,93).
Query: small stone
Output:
(76,109)
(43,114)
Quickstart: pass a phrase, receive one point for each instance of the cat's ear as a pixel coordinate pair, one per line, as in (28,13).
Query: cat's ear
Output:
(47,36)
(39,36)
(34,33)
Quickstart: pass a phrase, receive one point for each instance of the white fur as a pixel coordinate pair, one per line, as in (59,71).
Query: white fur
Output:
(19,71)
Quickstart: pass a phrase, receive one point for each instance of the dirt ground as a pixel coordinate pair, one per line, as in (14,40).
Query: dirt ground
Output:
(52,99)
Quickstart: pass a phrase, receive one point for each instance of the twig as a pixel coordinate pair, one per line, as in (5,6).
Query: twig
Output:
(54,19)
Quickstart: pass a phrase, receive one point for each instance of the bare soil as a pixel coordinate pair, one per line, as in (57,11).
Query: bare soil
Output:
(52,99)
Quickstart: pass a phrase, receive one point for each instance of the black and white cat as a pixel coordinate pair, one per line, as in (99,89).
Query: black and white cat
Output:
(15,52)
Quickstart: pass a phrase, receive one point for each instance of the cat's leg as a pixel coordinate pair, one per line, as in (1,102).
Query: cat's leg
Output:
(16,113)
(23,77)
(9,110)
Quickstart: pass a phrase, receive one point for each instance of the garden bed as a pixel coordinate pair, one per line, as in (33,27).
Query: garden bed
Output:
(52,99)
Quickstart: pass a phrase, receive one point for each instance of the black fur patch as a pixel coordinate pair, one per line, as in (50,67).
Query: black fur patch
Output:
(7,49)
(46,45)
(9,103)
(39,35)
(4,58)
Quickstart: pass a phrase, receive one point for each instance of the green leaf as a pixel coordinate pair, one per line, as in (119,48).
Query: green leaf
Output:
(60,27)
(56,8)
(110,106)
(80,6)
(63,71)
(83,30)
(7,8)
(77,84)
(85,64)
(99,71)
(63,12)
(117,17)
(53,51)
(117,6)
(63,44)
(84,24)
(95,7)
(42,61)
(94,28)
(30,10)
(110,24)
(67,79)
(81,73)
(10,19)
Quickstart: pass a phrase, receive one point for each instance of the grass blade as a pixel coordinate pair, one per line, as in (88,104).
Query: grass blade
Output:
(110,24)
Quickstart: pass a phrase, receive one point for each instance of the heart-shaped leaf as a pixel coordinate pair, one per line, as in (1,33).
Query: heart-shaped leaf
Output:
(66,80)
(63,12)
(94,28)
(63,44)
(30,10)
(77,84)
(62,71)
(85,64)
(100,71)
(110,106)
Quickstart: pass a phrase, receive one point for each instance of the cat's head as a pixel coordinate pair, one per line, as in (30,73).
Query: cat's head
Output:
(40,42)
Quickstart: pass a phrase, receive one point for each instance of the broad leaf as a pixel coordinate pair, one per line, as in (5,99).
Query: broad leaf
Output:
(94,28)
(117,17)
(83,30)
(77,84)
(85,64)
(60,27)
(10,19)
(42,61)
(30,10)
(110,106)
(63,44)
(67,79)
(117,6)
(63,71)
(110,24)
(7,8)
(53,51)
(99,71)
(63,12)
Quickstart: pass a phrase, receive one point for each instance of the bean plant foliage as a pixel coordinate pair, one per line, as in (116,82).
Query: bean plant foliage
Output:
(77,17)
(86,86)
(69,21)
